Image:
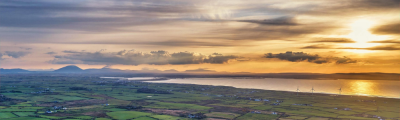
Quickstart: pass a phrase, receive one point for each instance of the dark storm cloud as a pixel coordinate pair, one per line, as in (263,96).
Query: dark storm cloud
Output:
(131,57)
(16,54)
(301,56)
(393,28)
(334,40)
(276,21)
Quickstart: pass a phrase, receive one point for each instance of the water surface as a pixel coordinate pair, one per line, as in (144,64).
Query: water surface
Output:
(382,88)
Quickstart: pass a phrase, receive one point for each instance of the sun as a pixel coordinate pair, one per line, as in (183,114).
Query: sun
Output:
(362,36)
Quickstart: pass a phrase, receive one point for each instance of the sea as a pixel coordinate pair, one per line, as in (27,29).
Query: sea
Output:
(374,88)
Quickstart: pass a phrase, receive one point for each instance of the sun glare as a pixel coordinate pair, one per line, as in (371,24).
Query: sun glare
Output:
(362,36)
(362,88)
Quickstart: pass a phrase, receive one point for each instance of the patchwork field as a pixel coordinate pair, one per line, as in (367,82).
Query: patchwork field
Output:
(86,98)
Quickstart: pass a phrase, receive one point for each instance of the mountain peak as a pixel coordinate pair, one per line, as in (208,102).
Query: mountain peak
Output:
(69,68)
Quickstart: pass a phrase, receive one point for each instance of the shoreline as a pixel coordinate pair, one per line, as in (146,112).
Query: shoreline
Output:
(155,79)
(308,93)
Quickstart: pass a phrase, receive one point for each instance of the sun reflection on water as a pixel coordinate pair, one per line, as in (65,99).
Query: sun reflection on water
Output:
(362,88)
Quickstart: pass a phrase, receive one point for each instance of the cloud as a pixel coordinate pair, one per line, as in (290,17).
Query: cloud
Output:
(200,70)
(276,21)
(393,28)
(334,40)
(267,32)
(172,43)
(293,56)
(384,47)
(301,56)
(51,53)
(70,51)
(351,7)
(131,57)
(91,17)
(191,43)
(344,60)
(317,46)
(386,41)
(16,54)
(218,58)
(171,70)
(25,48)
(381,47)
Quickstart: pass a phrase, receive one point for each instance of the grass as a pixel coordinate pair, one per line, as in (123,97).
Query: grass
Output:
(23,114)
(27,118)
(17,110)
(68,98)
(102,119)
(166,117)
(145,118)
(123,115)
(250,116)
(262,107)
(182,106)
(84,117)
(222,115)
(193,102)
(51,117)
(115,109)
(6,115)
(297,117)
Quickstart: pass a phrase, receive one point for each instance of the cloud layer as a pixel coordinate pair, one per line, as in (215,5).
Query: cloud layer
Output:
(131,57)
(14,54)
(301,56)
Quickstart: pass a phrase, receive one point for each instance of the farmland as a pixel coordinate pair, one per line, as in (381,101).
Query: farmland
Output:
(82,97)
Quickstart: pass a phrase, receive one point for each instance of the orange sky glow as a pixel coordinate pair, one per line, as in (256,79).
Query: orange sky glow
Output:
(326,36)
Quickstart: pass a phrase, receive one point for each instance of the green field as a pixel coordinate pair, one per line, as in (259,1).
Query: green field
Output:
(106,99)
(7,115)
(123,115)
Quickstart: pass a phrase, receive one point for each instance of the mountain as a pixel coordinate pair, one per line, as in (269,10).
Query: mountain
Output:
(203,73)
(13,70)
(69,68)
(106,70)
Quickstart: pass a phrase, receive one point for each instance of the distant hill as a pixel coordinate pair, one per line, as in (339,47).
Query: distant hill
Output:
(204,73)
(13,70)
(69,68)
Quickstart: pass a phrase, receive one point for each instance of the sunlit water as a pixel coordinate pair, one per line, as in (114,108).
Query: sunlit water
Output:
(382,88)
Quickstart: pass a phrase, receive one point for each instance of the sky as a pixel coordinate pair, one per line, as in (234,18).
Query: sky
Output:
(258,36)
